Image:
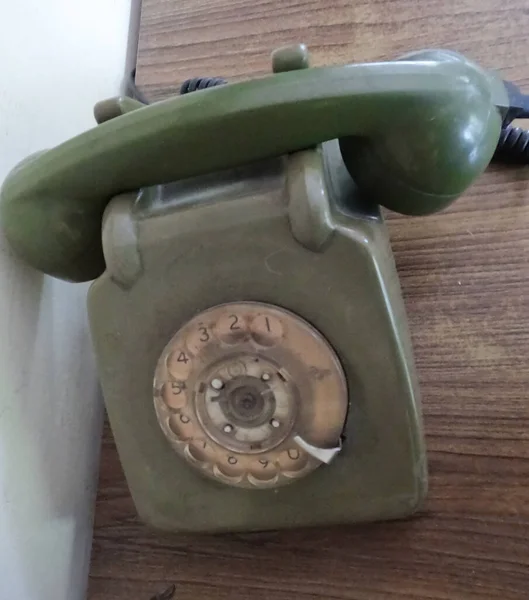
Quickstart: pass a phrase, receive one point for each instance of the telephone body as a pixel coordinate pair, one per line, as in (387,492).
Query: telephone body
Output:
(246,313)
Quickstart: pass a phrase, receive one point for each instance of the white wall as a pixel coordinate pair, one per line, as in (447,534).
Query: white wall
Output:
(57,58)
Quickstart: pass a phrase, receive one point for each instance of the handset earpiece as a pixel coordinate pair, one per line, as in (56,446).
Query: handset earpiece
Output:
(437,143)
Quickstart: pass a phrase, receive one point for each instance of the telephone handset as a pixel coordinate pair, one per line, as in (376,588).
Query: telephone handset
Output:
(247,320)
(413,133)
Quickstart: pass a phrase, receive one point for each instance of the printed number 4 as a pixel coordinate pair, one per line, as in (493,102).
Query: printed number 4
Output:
(182,357)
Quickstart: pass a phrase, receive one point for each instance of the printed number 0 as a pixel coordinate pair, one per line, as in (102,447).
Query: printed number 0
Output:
(293,453)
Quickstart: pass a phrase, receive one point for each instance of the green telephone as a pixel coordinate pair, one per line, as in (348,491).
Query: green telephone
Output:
(247,319)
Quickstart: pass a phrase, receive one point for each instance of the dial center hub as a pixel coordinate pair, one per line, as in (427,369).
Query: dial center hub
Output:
(247,401)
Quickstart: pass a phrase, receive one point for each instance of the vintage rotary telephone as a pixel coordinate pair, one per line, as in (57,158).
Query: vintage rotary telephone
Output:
(247,319)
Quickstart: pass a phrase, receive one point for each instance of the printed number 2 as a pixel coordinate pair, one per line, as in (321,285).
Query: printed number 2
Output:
(182,357)
(235,319)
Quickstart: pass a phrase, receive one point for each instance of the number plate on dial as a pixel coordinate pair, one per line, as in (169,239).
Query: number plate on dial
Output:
(251,395)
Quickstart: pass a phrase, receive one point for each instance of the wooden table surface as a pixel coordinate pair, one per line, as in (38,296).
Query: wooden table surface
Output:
(465,279)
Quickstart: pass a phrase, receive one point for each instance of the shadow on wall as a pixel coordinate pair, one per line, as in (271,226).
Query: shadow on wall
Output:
(50,407)
(50,415)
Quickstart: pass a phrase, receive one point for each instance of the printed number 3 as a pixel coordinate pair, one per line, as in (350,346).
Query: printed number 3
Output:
(204,334)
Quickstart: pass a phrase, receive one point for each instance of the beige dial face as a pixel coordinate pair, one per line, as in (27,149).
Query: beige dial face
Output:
(251,395)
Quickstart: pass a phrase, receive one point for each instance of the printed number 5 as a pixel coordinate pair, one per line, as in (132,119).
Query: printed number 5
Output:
(177,387)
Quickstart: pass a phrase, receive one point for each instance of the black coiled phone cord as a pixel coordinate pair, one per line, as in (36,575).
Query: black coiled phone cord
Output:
(200,83)
(513,145)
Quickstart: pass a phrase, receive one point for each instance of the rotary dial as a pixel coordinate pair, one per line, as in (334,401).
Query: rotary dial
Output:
(251,395)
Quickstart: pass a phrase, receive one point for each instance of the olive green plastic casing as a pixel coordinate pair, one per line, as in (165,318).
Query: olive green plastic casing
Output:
(245,194)
(292,232)
(414,134)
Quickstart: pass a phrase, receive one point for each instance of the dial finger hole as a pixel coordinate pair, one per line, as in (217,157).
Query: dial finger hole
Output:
(262,483)
(199,337)
(179,363)
(232,327)
(196,451)
(229,469)
(292,459)
(263,469)
(267,330)
(174,394)
(181,425)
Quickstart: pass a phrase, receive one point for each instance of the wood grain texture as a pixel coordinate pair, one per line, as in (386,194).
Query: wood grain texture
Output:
(465,279)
